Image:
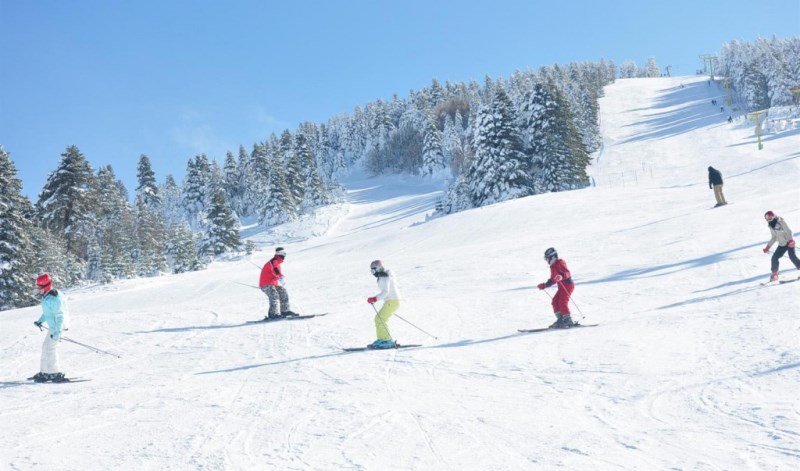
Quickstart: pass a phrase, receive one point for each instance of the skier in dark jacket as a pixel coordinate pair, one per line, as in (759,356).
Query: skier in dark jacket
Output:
(715,182)
(559,275)
(271,283)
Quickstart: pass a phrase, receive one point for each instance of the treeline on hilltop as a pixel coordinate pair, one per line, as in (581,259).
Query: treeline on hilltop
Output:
(502,139)
(83,227)
(762,73)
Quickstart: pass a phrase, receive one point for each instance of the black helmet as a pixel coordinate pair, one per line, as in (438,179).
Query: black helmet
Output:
(550,254)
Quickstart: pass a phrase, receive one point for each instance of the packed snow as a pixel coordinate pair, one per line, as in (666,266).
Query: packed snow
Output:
(694,364)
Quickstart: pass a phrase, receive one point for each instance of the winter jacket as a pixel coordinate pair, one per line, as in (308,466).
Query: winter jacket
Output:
(780,232)
(271,273)
(388,286)
(714,177)
(559,267)
(55,313)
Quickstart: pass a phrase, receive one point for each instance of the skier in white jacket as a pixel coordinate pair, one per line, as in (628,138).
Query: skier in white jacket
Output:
(782,235)
(390,296)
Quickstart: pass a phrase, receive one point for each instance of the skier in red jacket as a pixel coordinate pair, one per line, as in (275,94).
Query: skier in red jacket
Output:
(271,283)
(560,275)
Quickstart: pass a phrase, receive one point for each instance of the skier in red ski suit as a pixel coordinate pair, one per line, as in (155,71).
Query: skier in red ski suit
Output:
(271,283)
(560,275)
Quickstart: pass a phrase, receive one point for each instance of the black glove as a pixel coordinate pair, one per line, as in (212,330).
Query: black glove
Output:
(38,324)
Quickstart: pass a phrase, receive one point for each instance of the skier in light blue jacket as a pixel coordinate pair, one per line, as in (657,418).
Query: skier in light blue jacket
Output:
(55,314)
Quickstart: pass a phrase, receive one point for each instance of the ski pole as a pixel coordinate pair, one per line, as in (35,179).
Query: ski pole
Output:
(94,349)
(575,304)
(407,322)
(244,284)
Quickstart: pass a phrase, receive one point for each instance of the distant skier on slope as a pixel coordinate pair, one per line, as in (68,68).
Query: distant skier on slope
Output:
(390,296)
(271,283)
(715,182)
(783,236)
(559,274)
(55,314)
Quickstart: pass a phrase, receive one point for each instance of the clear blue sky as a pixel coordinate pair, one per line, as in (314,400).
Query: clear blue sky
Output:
(172,79)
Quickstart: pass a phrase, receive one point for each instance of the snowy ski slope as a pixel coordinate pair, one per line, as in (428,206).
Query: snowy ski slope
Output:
(695,365)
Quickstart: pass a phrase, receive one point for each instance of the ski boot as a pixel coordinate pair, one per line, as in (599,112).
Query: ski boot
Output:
(58,378)
(774,276)
(382,344)
(289,314)
(40,377)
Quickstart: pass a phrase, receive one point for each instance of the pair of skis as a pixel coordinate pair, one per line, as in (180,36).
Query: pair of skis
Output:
(780,282)
(287,318)
(524,331)
(547,329)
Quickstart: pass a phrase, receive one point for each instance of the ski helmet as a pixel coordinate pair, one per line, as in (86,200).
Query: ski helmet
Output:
(550,254)
(376,266)
(45,283)
(769,215)
(280,251)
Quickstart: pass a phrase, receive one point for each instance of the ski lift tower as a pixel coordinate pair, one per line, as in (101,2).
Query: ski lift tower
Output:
(795,94)
(755,117)
(708,63)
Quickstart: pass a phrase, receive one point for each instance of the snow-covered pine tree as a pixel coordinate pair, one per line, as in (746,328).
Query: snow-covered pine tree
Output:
(651,69)
(16,247)
(222,234)
(433,164)
(147,190)
(172,202)
(231,182)
(628,69)
(315,194)
(196,190)
(293,168)
(552,139)
(182,249)
(114,247)
(499,171)
(278,204)
(66,203)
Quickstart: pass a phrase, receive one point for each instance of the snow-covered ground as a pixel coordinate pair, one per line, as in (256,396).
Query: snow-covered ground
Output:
(695,365)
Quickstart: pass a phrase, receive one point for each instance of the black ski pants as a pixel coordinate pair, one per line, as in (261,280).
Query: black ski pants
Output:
(782,249)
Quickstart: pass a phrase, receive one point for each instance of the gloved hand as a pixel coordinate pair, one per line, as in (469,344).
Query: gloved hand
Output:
(38,324)
(281,281)
(541,286)
(372,299)
(790,244)
(766,249)
(557,278)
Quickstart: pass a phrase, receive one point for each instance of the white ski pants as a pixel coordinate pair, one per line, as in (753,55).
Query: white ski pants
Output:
(50,356)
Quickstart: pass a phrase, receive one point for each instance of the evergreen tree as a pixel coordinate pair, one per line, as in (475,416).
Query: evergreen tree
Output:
(553,141)
(432,154)
(232,182)
(182,250)
(499,171)
(314,192)
(223,227)
(278,206)
(16,247)
(65,205)
(172,203)
(147,190)
(293,168)
(195,190)
(113,248)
